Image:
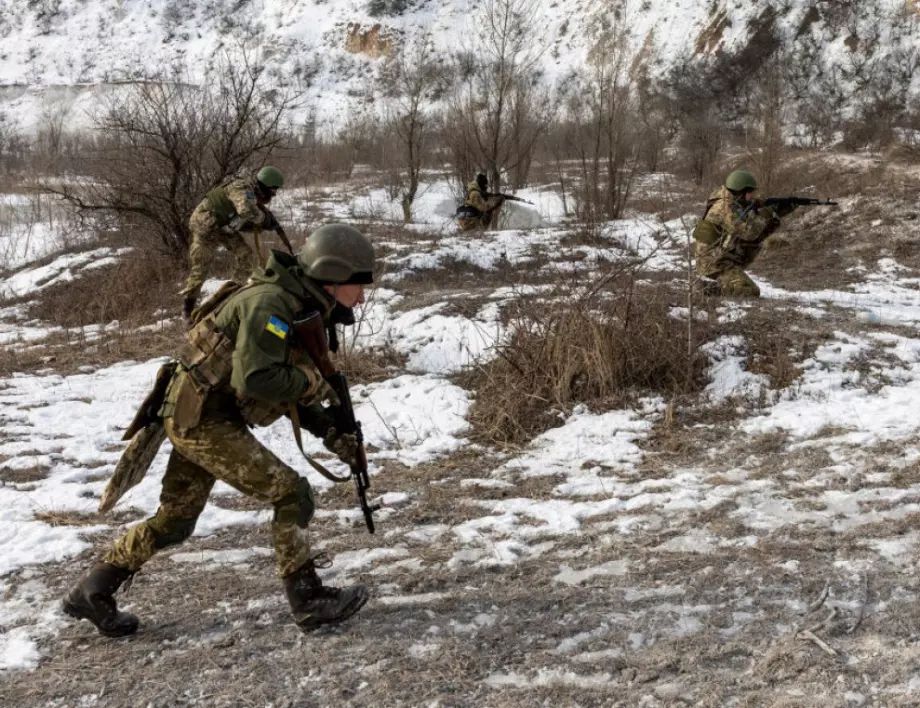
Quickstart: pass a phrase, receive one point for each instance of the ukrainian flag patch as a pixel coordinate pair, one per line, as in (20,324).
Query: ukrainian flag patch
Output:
(277,327)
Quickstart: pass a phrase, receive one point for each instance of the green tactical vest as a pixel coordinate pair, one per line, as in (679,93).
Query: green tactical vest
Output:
(221,207)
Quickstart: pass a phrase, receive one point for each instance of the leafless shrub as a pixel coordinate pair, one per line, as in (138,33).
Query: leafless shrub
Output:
(410,80)
(315,156)
(602,107)
(603,351)
(768,118)
(13,144)
(497,111)
(165,143)
(52,141)
(368,365)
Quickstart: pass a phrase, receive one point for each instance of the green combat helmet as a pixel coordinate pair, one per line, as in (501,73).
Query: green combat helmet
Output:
(740,181)
(270,177)
(338,254)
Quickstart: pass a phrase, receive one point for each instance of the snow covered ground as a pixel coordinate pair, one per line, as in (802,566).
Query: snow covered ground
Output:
(615,554)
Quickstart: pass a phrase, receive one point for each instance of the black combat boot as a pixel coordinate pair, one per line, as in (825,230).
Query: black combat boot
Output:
(93,599)
(314,605)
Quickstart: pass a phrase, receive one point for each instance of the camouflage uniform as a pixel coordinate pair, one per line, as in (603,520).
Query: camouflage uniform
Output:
(253,374)
(729,238)
(486,205)
(210,225)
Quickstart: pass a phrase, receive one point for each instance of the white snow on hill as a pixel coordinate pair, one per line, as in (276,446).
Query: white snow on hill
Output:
(59,57)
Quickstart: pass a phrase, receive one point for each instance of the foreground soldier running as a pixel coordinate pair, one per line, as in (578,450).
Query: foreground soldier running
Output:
(242,367)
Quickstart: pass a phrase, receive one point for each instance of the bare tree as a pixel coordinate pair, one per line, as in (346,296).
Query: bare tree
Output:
(604,110)
(410,80)
(164,143)
(768,119)
(495,113)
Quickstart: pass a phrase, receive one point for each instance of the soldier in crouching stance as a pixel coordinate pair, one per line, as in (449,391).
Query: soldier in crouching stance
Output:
(480,208)
(731,234)
(241,367)
(221,218)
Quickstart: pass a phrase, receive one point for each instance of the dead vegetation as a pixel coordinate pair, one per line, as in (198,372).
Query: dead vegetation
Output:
(138,289)
(604,351)
(368,365)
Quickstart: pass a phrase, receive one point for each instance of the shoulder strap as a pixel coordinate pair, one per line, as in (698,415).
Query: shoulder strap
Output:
(214,303)
(295,424)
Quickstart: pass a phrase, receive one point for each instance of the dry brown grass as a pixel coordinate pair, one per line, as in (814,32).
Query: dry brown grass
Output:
(134,291)
(100,312)
(71,351)
(68,518)
(369,365)
(603,353)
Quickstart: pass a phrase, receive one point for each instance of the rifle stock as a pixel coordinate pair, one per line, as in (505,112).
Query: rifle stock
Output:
(310,335)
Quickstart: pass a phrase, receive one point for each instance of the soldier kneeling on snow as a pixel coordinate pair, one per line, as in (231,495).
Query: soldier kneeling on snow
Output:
(241,367)
(731,234)
(480,209)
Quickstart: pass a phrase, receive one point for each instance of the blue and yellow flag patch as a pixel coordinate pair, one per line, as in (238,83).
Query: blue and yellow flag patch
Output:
(277,327)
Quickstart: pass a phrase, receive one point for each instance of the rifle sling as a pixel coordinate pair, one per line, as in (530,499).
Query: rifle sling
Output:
(285,240)
(295,424)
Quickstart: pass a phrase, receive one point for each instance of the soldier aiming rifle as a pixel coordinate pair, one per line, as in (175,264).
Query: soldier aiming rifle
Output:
(732,232)
(480,208)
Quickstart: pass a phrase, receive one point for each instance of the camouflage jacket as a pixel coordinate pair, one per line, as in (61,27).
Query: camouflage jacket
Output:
(234,202)
(244,357)
(479,200)
(733,231)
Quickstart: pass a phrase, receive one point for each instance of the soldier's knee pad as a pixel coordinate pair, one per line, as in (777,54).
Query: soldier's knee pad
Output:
(297,507)
(170,531)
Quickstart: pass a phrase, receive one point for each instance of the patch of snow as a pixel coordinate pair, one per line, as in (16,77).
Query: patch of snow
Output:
(577,577)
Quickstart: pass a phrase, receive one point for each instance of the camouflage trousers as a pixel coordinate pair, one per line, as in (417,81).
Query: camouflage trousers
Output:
(732,282)
(483,222)
(224,450)
(205,240)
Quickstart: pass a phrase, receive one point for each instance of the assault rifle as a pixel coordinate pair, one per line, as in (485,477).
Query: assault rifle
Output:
(270,223)
(786,202)
(797,201)
(311,337)
(510,198)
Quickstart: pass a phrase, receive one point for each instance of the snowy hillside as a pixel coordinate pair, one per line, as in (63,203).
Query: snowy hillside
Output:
(58,55)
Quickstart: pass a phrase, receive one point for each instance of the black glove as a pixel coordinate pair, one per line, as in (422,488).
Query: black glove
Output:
(270,223)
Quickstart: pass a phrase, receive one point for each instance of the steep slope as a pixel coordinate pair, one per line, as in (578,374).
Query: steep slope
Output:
(59,54)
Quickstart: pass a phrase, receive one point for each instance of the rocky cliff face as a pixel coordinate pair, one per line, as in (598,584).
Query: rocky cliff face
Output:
(330,48)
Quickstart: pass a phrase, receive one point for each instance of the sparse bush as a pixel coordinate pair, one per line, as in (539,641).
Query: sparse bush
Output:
(164,144)
(13,144)
(603,353)
(410,80)
(497,112)
(603,110)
